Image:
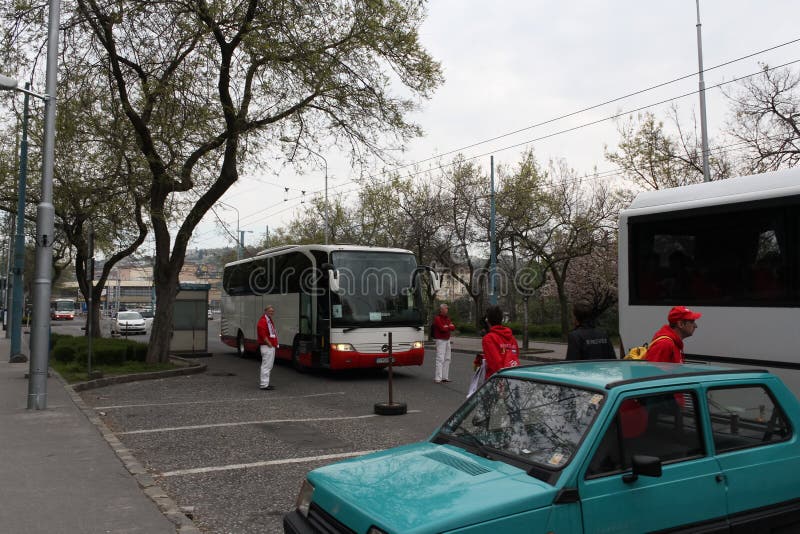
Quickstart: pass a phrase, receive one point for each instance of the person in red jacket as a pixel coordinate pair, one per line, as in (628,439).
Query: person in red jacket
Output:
(267,343)
(667,343)
(442,327)
(500,348)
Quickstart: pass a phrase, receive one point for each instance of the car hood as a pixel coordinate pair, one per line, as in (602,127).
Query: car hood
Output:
(425,487)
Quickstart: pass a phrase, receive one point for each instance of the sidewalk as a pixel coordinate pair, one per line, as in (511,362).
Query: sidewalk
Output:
(537,351)
(60,475)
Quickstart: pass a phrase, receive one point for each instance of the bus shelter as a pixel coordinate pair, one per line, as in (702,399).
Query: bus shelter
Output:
(190,321)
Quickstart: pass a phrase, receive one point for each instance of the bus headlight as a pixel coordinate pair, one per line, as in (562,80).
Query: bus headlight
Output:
(304,498)
(417,345)
(343,347)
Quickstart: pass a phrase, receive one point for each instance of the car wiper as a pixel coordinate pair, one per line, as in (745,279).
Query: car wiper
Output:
(480,447)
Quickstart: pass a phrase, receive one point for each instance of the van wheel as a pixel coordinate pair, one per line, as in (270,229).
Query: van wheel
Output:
(240,350)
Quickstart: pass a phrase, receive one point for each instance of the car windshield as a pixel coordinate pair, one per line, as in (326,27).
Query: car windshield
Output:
(128,316)
(536,422)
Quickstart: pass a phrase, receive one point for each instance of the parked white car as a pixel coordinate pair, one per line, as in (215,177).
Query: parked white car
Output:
(128,322)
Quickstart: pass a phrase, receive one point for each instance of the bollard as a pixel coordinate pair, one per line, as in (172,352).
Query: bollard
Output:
(391,407)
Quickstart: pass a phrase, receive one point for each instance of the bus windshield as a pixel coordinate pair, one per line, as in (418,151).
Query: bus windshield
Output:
(375,287)
(64,305)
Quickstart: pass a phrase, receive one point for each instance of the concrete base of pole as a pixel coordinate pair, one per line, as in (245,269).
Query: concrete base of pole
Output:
(18,358)
(390,408)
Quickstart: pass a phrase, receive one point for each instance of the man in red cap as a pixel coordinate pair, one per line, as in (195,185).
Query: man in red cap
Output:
(667,344)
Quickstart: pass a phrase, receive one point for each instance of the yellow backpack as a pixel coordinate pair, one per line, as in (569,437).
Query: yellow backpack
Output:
(640,353)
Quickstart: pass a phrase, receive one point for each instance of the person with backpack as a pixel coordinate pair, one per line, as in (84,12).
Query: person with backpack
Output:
(500,348)
(587,341)
(442,327)
(667,344)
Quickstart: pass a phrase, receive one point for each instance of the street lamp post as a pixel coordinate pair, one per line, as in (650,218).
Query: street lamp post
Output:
(238,234)
(241,240)
(703,126)
(325,214)
(45,222)
(16,355)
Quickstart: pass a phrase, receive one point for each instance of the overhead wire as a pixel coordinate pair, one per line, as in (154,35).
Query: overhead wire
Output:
(537,139)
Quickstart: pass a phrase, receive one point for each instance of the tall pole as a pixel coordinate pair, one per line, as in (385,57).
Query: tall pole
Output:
(90,304)
(325,213)
(238,238)
(17,297)
(492,248)
(42,282)
(7,290)
(703,127)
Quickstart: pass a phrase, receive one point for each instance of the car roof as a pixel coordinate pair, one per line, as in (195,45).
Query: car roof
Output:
(608,374)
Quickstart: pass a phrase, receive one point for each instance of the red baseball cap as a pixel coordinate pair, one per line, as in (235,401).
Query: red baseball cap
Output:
(682,313)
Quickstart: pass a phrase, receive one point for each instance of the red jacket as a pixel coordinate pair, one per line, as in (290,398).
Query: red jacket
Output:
(665,350)
(500,349)
(263,332)
(442,326)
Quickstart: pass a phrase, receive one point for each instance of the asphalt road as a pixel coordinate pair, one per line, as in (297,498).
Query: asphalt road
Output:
(237,454)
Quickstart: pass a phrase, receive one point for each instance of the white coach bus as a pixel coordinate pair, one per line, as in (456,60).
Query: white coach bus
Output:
(335,305)
(729,249)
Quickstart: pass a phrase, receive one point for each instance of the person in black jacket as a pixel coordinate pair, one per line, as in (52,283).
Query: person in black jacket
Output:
(586,341)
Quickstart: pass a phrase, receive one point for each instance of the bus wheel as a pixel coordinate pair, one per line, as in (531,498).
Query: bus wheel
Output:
(240,350)
(391,408)
(299,367)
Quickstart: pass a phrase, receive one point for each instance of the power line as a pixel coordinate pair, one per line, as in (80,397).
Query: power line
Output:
(560,132)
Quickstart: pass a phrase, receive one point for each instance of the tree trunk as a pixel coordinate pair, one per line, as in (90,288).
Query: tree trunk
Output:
(166,286)
(563,304)
(93,315)
(525,322)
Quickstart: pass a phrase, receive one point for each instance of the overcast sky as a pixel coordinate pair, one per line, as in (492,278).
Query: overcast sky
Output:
(511,64)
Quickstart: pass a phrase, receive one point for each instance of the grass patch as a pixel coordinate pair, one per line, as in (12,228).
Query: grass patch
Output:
(111,357)
(76,372)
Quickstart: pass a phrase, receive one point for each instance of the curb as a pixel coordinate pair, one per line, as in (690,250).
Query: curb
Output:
(190,368)
(168,507)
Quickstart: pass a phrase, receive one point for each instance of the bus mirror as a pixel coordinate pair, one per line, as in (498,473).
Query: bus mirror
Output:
(333,280)
(435,285)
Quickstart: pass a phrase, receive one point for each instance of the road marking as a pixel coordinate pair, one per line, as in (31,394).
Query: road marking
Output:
(199,470)
(262,397)
(268,421)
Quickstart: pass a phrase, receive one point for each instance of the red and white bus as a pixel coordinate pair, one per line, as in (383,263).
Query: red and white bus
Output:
(62,309)
(335,305)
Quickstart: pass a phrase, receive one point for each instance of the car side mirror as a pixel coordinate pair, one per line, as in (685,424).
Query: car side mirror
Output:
(648,466)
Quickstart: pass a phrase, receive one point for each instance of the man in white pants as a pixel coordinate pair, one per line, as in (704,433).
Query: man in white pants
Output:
(442,327)
(267,343)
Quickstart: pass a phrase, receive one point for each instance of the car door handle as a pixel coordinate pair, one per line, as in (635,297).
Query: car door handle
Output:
(720,478)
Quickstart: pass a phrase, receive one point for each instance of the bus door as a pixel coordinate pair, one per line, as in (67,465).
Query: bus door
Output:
(303,349)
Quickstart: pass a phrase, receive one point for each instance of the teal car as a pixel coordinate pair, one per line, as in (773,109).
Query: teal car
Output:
(581,447)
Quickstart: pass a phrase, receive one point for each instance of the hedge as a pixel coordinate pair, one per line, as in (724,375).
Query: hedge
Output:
(105,351)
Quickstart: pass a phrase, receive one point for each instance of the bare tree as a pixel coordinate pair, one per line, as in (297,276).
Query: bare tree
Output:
(766,119)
